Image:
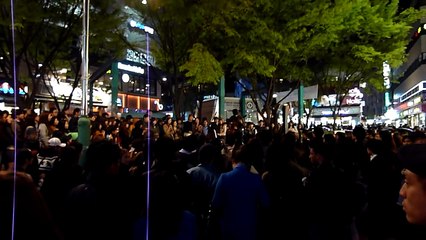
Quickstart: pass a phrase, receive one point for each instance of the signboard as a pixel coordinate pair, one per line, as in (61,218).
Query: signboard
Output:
(309,93)
(131,68)
(344,111)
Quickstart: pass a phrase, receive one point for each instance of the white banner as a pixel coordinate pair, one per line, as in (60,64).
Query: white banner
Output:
(309,93)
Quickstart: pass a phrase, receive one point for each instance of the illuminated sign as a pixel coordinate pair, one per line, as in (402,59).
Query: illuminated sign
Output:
(387,99)
(323,112)
(139,57)
(140,26)
(131,68)
(7,89)
(354,97)
(386,74)
(160,106)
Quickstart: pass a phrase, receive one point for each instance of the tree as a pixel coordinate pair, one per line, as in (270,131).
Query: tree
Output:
(370,33)
(272,40)
(178,26)
(47,41)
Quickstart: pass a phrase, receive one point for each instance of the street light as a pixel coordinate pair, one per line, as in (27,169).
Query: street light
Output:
(85,55)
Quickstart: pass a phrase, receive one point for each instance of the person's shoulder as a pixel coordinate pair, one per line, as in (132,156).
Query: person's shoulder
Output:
(18,176)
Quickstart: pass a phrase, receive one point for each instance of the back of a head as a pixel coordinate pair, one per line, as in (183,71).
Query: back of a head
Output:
(164,150)
(359,132)
(250,153)
(325,150)
(375,146)
(20,198)
(207,153)
(319,132)
(101,155)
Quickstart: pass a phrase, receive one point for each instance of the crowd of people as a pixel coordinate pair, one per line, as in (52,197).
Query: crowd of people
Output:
(168,178)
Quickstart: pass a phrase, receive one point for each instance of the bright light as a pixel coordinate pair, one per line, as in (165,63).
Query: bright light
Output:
(125,78)
(164,79)
(274,95)
(149,30)
(391,114)
(144,2)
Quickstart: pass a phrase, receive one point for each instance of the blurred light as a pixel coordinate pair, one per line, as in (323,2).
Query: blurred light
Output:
(164,79)
(275,95)
(125,78)
(391,114)
(144,2)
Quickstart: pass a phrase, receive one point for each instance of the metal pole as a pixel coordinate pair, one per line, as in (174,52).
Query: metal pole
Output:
(222,98)
(85,56)
(301,106)
(84,121)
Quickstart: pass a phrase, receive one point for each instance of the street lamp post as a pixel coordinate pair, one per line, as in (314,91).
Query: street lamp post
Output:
(84,121)
(85,55)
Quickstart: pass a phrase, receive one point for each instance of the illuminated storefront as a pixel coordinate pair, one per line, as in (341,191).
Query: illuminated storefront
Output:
(133,87)
(412,112)
(349,113)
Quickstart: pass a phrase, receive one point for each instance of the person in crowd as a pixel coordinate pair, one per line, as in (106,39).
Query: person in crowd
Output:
(163,203)
(240,198)
(24,214)
(327,194)
(414,188)
(188,125)
(100,207)
(204,177)
(6,137)
(18,125)
(73,123)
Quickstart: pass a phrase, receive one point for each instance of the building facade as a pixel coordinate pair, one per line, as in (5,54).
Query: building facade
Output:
(409,95)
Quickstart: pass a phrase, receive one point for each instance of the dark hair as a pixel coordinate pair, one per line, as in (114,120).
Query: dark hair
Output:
(33,218)
(250,153)
(376,146)
(76,110)
(208,152)
(359,132)
(101,155)
(321,148)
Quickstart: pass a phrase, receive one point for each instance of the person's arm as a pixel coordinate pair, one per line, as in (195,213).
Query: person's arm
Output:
(43,135)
